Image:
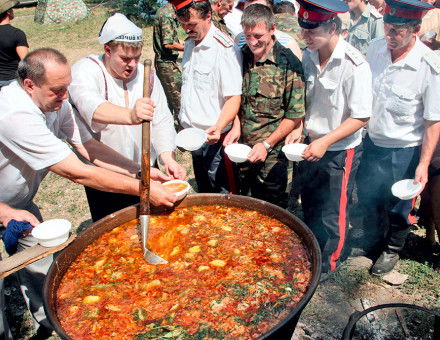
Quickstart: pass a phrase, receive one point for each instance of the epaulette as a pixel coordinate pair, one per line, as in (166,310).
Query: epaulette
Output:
(356,57)
(433,60)
(223,39)
(375,13)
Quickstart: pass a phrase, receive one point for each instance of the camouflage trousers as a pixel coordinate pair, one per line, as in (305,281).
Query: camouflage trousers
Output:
(170,76)
(266,180)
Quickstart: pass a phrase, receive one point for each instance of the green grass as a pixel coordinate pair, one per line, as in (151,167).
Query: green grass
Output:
(80,33)
(351,279)
(74,39)
(421,278)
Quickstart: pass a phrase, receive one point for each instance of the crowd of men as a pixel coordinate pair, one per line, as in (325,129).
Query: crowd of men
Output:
(366,106)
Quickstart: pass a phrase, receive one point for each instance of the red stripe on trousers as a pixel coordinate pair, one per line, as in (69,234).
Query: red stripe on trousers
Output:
(411,218)
(343,201)
(229,169)
(230,174)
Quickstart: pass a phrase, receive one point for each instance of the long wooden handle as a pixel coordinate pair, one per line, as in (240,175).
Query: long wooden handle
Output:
(144,208)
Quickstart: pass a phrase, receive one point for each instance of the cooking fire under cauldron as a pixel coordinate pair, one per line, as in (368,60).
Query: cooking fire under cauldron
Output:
(283,330)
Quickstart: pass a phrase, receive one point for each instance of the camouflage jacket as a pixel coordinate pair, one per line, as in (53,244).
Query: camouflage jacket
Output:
(288,23)
(165,33)
(219,23)
(273,89)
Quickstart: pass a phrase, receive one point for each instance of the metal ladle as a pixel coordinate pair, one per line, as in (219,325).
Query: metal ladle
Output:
(144,206)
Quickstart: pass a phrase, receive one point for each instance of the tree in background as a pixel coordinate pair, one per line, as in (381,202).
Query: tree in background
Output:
(139,11)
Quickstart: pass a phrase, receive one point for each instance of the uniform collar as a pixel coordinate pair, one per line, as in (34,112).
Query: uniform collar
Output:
(413,58)
(338,53)
(366,12)
(205,43)
(271,56)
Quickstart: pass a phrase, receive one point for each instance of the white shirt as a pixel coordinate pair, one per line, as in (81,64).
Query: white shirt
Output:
(211,72)
(405,94)
(339,91)
(87,92)
(30,142)
(233,22)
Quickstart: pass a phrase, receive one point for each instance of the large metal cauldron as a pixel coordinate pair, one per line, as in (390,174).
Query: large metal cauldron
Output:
(282,331)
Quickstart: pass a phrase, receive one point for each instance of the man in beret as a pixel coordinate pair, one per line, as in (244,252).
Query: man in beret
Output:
(338,105)
(272,106)
(403,130)
(107,91)
(13,43)
(211,92)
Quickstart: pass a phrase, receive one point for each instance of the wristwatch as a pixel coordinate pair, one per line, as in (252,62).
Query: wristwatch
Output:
(267,146)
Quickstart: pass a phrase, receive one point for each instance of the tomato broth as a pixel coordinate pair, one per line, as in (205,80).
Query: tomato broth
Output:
(232,274)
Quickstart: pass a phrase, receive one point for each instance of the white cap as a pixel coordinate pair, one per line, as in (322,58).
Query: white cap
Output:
(119,28)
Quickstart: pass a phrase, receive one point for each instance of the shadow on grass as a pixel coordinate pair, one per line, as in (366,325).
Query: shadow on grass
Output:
(352,279)
(417,248)
(17,314)
(84,225)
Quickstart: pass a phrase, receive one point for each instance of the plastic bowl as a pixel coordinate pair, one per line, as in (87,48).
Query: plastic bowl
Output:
(238,153)
(180,188)
(52,233)
(294,151)
(191,139)
(406,189)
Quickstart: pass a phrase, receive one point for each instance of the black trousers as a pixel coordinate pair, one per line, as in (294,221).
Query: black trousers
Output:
(266,180)
(326,188)
(210,170)
(103,203)
(380,169)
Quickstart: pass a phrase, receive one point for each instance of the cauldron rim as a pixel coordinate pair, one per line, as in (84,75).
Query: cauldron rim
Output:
(109,222)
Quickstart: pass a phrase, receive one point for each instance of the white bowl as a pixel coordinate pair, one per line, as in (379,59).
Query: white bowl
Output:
(294,151)
(52,232)
(238,153)
(406,189)
(191,139)
(180,192)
